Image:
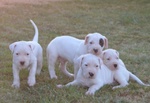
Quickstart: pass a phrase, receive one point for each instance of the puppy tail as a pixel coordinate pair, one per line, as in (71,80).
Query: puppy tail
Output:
(35,38)
(134,77)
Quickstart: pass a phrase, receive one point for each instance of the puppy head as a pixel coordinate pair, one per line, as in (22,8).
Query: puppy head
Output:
(95,43)
(22,52)
(90,64)
(111,58)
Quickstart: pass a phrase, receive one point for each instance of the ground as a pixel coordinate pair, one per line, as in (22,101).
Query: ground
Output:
(126,24)
(4,3)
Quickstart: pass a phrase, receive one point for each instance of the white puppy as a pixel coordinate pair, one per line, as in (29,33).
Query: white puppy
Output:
(88,74)
(121,74)
(66,48)
(26,54)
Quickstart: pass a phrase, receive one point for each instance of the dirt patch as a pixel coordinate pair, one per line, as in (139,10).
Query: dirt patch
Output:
(9,3)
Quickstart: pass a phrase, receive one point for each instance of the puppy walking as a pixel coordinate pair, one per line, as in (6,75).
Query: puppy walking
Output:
(67,48)
(27,54)
(116,65)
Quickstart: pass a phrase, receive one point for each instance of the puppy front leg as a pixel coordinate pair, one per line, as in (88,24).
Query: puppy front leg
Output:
(16,81)
(93,89)
(73,83)
(32,73)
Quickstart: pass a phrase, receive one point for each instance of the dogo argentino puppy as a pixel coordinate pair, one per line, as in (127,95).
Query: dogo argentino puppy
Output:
(115,64)
(27,54)
(88,74)
(66,48)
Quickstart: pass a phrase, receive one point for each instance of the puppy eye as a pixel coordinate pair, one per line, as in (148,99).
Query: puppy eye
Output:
(108,58)
(117,58)
(27,53)
(17,53)
(96,65)
(86,65)
(91,42)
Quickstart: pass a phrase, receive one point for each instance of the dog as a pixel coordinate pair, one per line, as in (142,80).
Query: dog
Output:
(27,54)
(88,74)
(67,48)
(111,59)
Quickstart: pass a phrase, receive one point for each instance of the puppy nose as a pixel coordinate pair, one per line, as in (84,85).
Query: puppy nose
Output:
(91,74)
(115,65)
(22,62)
(95,50)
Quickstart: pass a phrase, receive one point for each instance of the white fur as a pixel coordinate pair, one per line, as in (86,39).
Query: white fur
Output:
(102,75)
(66,48)
(26,54)
(121,74)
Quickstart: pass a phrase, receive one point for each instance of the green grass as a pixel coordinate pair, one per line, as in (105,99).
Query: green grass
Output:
(126,24)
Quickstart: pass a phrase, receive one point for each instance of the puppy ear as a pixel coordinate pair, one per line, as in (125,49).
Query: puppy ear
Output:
(100,62)
(105,42)
(31,46)
(103,54)
(117,53)
(77,64)
(12,46)
(101,42)
(86,39)
(81,60)
(78,61)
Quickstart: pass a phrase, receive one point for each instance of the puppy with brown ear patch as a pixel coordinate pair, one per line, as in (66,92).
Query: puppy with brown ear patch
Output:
(115,64)
(66,48)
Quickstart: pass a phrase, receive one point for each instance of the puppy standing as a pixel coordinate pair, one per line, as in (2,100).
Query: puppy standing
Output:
(88,74)
(67,48)
(121,74)
(27,54)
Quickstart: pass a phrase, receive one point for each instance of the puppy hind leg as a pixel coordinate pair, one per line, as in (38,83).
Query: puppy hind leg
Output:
(39,65)
(51,59)
(39,68)
(51,68)
(123,81)
(64,70)
(76,68)
(120,86)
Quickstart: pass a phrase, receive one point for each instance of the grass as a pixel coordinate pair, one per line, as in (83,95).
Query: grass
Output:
(125,23)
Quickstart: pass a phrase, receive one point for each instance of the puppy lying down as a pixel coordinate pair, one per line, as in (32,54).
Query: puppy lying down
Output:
(121,74)
(90,74)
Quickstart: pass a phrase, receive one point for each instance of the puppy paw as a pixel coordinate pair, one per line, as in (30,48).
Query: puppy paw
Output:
(15,85)
(90,93)
(114,88)
(31,82)
(71,75)
(59,86)
(38,72)
(147,85)
(119,86)
(53,77)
